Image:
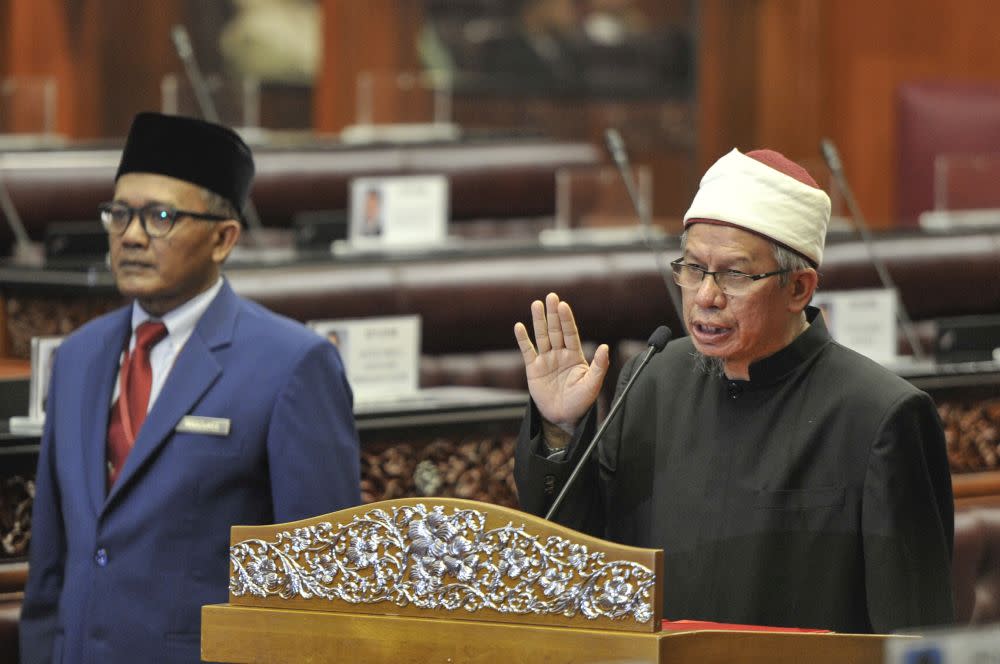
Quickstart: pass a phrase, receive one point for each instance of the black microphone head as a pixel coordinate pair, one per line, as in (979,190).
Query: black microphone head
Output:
(659,338)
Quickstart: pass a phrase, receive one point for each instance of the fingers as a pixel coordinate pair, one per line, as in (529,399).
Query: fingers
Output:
(554,325)
(528,352)
(539,326)
(599,367)
(552,322)
(602,360)
(567,323)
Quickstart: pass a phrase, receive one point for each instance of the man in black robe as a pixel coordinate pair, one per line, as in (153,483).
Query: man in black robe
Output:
(789,480)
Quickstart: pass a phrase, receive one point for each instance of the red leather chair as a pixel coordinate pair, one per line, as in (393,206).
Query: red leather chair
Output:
(940,117)
(976,565)
(12,578)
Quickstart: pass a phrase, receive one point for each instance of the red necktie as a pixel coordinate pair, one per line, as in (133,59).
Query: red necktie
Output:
(129,412)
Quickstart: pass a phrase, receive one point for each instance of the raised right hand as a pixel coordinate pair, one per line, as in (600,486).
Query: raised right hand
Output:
(561,383)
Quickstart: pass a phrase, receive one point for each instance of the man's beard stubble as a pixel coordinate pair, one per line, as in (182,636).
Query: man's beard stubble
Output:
(710,366)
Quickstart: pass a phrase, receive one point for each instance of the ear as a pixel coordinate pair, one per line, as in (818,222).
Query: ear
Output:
(225,235)
(802,286)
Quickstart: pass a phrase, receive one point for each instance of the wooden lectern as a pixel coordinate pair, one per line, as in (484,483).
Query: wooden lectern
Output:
(445,580)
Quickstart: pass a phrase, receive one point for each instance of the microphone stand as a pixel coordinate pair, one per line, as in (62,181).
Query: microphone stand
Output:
(182,44)
(657,341)
(616,146)
(833,162)
(24,249)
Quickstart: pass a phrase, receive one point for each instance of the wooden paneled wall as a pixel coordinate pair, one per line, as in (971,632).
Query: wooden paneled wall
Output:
(776,73)
(874,46)
(4,30)
(107,57)
(785,74)
(36,42)
(374,35)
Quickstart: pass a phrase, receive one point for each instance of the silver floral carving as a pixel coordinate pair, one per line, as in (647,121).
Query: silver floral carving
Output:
(426,558)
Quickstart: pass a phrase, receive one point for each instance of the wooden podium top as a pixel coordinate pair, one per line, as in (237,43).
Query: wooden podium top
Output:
(233,633)
(448,580)
(12,369)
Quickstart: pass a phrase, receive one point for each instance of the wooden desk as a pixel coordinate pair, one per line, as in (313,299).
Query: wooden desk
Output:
(13,368)
(387,582)
(976,489)
(250,634)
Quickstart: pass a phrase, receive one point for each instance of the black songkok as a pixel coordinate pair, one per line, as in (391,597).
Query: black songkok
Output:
(205,154)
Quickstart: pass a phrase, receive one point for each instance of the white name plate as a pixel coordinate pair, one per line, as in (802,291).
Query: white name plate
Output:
(862,320)
(381,355)
(43,350)
(399,210)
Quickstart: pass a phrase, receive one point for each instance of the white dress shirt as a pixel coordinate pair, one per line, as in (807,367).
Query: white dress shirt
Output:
(180,324)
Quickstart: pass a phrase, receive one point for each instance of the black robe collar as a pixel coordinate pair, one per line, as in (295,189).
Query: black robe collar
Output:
(773,368)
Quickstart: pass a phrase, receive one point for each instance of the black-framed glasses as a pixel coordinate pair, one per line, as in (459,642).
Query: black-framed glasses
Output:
(157,219)
(730,282)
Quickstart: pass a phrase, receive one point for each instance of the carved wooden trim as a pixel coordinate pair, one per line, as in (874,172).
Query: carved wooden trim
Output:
(447,558)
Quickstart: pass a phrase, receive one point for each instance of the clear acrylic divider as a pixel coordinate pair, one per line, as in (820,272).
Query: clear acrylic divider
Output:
(236,100)
(966,194)
(28,111)
(596,197)
(402,107)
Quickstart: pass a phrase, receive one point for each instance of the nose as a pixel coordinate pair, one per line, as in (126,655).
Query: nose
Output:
(708,294)
(135,232)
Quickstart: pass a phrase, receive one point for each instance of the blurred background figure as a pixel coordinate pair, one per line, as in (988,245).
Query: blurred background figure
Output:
(275,40)
(539,45)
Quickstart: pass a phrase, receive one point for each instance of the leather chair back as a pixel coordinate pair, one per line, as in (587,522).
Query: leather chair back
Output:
(934,118)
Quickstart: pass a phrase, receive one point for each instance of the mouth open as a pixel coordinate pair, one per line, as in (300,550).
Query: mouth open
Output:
(707,333)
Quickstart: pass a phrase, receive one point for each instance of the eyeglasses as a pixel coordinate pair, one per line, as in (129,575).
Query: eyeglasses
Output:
(730,282)
(157,219)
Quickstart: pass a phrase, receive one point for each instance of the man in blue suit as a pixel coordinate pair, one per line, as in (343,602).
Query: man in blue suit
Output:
(155,443)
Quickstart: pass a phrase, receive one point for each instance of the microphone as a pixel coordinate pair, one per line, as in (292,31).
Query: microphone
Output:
(832,158)
(13,218)
(616,146)
(657,341)
(182,44)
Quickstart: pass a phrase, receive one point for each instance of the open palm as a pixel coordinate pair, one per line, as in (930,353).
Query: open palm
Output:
(561,382)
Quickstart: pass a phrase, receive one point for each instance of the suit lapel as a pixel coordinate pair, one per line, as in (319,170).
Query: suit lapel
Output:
(195,370)
(103,367)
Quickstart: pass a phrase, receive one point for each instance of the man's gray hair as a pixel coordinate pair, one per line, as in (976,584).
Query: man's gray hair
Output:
(788,260)
(220,205)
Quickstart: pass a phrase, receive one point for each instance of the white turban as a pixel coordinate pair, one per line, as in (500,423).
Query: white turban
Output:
(770,200)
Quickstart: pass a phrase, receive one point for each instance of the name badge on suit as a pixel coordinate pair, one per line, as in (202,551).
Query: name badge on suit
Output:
(212,426)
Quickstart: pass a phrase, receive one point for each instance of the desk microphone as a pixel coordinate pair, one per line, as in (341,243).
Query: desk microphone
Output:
(656,343)
(182,44)
(832,158)
(22,243)
(616,146)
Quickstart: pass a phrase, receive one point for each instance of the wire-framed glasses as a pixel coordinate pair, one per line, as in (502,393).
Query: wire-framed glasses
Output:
(157,219)
(730,282)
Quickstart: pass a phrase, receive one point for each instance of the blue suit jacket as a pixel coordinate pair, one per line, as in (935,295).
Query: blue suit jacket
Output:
(121,576)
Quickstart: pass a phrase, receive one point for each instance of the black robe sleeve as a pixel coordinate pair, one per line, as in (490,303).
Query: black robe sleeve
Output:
(540,479)
(908,520)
